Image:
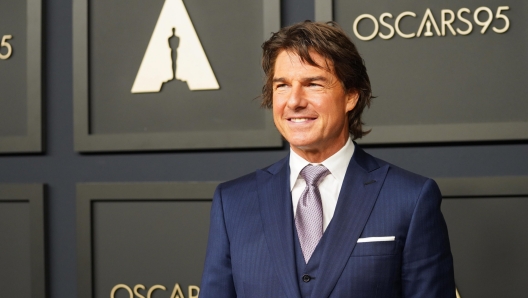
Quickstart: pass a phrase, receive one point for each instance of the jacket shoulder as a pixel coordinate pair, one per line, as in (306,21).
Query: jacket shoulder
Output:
(249,181)
(410,189)
(401,179)
(401,173)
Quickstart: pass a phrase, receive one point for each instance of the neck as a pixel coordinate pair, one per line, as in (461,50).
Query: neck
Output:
(318,155)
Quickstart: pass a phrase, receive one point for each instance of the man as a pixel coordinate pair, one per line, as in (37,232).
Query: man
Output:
(359,227)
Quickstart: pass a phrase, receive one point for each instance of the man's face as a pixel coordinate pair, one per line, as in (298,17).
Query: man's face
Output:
(310,106)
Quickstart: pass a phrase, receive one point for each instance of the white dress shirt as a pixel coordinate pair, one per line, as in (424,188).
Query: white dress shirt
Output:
(329,187)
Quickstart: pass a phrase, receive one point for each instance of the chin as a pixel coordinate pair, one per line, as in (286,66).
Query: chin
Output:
(303,145)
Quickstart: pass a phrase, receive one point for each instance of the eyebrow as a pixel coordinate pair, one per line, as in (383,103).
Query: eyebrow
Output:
(307,79)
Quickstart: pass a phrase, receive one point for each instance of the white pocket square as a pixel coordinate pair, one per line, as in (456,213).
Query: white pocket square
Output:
(376,239)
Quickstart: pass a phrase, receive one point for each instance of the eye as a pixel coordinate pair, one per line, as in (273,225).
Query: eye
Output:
(315,85)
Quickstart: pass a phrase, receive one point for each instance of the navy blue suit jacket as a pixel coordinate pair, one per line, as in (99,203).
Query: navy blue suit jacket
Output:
(251,239)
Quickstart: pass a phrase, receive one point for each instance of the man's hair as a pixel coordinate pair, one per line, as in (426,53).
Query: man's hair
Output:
(332,43)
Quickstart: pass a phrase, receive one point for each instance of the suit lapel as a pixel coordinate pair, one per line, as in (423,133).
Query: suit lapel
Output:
(361,186)
(277,216)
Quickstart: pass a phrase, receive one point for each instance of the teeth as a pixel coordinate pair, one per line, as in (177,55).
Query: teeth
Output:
(299,119)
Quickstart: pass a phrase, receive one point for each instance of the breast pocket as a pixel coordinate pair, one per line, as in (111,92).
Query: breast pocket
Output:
(379,248)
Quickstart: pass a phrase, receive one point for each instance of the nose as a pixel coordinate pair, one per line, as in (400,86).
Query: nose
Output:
(297,97)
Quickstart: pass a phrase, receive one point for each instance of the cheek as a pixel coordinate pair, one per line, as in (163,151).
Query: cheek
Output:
(275,109)
(277,105)
(277,112)
(336,116)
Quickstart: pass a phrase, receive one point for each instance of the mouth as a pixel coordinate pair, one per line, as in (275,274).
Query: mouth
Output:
(300,120)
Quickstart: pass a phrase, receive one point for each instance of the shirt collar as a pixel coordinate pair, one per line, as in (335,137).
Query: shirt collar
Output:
(337,164)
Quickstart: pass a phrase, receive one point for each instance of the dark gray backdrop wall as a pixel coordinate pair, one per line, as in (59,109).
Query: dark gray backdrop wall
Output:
(22,233)
(61,168)
(441,69)
(13,69)
(115,112)
(20,76)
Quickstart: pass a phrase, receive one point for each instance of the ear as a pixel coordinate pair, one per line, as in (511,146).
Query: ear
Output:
(351,100)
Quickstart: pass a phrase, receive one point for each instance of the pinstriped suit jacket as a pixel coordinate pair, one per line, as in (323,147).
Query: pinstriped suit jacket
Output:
(251,239)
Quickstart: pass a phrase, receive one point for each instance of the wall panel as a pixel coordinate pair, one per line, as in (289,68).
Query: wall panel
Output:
(442,71)
(166,74)
(22,246)
(20,76)
(142,237)
(486,219)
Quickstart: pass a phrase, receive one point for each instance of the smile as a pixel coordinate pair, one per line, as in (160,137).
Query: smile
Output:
(298,120)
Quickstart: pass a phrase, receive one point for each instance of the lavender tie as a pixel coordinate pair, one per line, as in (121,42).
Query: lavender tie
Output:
(309,216)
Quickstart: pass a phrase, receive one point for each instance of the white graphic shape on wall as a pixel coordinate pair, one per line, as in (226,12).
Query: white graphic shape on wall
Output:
(192,65)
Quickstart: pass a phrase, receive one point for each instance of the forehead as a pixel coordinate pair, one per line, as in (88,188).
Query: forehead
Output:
(288,60)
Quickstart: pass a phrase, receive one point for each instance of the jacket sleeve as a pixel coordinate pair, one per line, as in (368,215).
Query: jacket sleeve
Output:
(217,278)
(427,269)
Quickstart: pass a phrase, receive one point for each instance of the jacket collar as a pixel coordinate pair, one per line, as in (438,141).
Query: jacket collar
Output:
(277,216)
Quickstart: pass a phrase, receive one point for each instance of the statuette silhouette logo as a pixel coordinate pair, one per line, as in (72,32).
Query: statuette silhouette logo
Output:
(174,52)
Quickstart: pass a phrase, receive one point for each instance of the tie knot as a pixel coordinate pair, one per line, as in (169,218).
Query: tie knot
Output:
(312,174)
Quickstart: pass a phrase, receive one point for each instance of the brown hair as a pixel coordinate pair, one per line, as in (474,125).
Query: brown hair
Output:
(331,42)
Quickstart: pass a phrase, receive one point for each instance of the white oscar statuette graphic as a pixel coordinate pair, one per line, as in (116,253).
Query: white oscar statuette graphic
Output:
(174,38)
